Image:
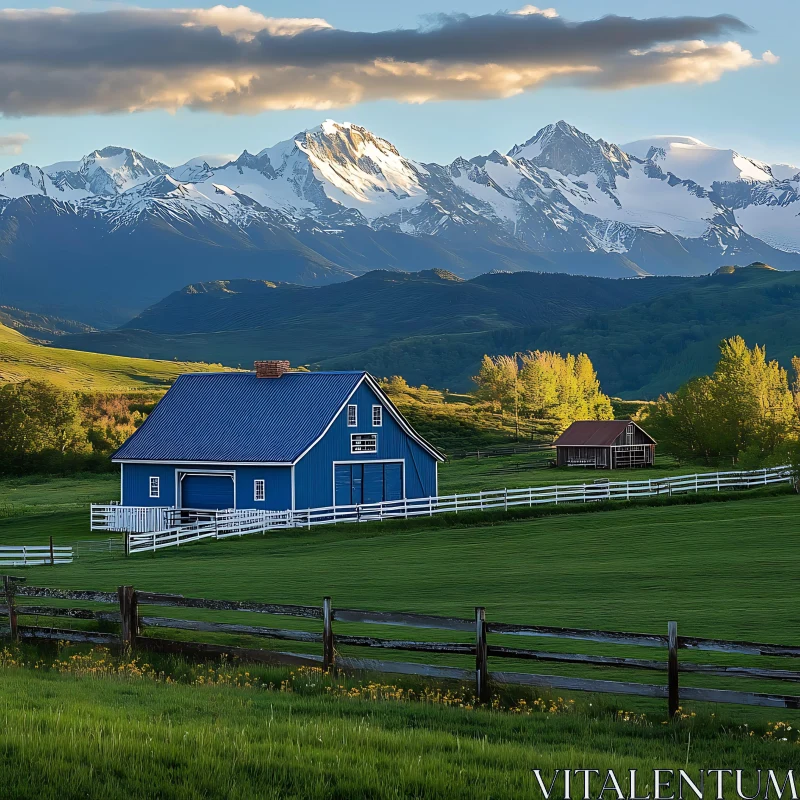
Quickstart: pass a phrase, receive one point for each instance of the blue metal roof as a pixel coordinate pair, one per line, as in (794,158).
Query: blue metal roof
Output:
(238,418)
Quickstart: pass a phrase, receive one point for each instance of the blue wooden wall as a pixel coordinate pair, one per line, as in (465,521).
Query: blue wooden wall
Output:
(136,484)
(313,474)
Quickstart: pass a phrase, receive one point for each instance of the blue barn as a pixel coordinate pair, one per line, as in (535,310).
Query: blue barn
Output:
(275,440)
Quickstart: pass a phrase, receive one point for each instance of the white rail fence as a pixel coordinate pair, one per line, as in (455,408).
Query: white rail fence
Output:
(174,527)
(33,556)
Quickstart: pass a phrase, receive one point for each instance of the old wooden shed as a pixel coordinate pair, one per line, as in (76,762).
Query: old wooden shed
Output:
(605,444)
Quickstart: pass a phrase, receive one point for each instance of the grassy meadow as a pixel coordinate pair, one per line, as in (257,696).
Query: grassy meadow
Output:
(22,359)
(106,738)
(721,569)
(532,469)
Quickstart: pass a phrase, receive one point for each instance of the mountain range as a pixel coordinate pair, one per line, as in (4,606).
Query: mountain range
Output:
(102,238)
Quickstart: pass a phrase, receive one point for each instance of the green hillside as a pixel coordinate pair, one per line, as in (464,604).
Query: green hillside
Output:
(644,336)
(22,359)
(237,322)
(639,351)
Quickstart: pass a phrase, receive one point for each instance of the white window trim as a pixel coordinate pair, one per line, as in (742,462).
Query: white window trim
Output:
(362,436)
(354,408)
(377,413)
(157,485)
(259,486)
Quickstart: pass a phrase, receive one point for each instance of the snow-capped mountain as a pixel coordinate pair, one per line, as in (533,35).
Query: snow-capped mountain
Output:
(337,200)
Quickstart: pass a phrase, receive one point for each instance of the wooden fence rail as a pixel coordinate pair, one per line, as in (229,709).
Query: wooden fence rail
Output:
(152,529)
(133,623)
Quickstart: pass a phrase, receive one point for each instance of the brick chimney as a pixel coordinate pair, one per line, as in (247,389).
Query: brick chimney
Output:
(270,369)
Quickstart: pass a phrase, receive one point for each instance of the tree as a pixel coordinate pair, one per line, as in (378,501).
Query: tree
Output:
(35,417)
(745,406)
(542,384)
(498,381)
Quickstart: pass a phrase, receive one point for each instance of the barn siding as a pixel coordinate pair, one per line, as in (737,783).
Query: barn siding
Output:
(136,484)
(314,472)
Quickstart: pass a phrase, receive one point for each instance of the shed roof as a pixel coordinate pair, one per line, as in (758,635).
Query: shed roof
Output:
(235,417)
(595,433)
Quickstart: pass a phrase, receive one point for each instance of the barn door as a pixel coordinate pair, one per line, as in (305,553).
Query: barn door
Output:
(342,482)
(206,491)
(393,482)
(369,482)
(373,483)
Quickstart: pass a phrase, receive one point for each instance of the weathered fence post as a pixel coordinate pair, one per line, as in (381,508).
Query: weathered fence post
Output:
(129,615)
(673,698)
(481,655)
(52,553)
(8,588)
(327,635)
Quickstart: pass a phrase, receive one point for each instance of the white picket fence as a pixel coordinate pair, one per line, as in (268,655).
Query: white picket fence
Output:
(32,556)
(172,528)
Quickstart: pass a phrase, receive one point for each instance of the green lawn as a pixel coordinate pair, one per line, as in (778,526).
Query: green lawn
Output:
(531,469)
(43,493)
(722,570)
(67,737)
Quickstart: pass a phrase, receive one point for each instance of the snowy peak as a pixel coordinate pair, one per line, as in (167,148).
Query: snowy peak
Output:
(690,159)
(106,172)
(565,149)
(360,170)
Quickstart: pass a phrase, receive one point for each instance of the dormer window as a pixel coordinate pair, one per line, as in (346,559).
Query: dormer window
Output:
(352,416)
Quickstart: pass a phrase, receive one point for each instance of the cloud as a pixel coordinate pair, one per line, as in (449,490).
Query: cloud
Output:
(236,60)
(11,144)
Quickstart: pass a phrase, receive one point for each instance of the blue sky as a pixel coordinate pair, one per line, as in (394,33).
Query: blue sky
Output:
(753,110)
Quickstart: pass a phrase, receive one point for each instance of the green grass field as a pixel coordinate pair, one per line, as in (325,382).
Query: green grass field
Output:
(67,737)
(41,493)
(22,359)
(531,469)
(721,569)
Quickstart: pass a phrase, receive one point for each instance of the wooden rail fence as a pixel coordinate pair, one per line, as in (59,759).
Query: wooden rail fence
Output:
(169,527)
(133,623)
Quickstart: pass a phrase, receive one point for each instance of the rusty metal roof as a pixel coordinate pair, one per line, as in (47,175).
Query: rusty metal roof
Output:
(595,433)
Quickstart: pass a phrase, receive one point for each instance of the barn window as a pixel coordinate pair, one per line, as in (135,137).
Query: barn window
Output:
(377,416)
(363,442)
(352,416)
(259,491)
(155,486)
(629,434)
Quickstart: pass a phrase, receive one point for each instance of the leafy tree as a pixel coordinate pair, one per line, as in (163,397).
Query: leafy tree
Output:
(745,407)
(543,385)
(36,416)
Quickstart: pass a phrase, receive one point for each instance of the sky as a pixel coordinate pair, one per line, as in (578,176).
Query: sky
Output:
(439,79)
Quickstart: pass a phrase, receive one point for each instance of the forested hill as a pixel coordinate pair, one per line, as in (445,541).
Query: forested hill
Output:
(639,351)
(239,321)
(644,336)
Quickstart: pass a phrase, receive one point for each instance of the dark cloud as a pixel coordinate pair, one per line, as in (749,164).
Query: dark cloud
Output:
(235,60)
(152,39)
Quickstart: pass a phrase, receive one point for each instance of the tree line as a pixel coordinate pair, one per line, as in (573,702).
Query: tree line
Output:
(543,385)
(44,428)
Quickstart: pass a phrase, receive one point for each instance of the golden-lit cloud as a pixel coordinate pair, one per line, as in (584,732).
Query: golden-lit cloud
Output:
(235,60)
(12,143)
